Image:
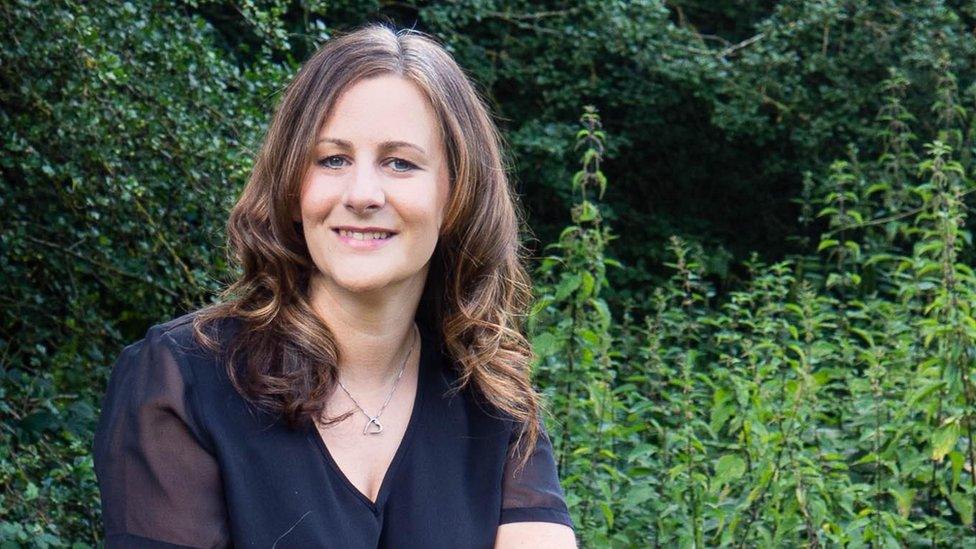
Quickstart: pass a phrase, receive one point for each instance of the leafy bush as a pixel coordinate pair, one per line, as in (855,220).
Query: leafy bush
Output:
(778,352)
(830,401)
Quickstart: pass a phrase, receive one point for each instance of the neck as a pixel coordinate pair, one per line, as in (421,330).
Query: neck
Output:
(373,332)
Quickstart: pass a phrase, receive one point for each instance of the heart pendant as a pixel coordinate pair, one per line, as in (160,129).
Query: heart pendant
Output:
(373,421)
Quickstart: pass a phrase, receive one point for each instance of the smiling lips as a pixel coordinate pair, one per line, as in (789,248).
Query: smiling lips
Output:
(369,238)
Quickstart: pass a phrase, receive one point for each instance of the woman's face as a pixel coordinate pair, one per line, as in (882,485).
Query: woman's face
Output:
(379,166)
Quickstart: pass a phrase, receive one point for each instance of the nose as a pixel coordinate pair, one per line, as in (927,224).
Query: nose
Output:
(364,191)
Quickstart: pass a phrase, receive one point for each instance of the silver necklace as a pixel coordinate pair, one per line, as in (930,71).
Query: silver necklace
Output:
(375,420)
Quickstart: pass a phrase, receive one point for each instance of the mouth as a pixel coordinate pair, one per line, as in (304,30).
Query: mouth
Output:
(364,240)
(364,235)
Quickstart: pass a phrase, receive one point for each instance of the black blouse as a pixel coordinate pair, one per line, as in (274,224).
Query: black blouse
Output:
(183,461)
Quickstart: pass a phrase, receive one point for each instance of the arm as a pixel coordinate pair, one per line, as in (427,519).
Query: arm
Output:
(160,487)
(541,535)
(534,512)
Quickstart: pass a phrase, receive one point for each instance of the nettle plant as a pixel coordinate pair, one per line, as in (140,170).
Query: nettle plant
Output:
(831,400)
(570,326)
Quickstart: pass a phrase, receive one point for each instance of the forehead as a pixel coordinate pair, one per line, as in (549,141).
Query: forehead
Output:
(382,108)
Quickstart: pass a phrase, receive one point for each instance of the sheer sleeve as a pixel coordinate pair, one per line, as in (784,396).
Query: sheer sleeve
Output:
(533,495)
(160,486)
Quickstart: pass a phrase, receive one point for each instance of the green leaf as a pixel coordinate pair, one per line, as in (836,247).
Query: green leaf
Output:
(963,504)
(827,243)
(607,513)
(588,211)
(903,497)
(719,415)
(956,459)
(545,344)
(567,285)
(638,494)
(728,468)
(31,493)
(943,440)
(587,283)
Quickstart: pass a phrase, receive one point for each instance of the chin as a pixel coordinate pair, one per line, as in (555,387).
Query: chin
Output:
(361,286)
(348,281)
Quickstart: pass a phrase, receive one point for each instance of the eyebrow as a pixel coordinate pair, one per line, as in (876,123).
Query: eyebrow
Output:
(384,146)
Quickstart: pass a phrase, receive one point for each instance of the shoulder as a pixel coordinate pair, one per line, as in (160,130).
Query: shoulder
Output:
(147,373)
(157,355)
(170,365)
(170,353)
(179,333)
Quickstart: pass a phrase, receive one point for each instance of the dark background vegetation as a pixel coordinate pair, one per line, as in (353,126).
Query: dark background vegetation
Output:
(128,130)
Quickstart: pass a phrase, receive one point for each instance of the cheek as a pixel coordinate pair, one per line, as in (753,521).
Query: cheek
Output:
(423,212)
(316,200)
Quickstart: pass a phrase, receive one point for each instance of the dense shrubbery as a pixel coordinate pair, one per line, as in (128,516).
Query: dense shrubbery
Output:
(829,401)
(819,391)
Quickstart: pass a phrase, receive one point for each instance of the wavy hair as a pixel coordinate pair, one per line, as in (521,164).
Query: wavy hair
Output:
(477,291)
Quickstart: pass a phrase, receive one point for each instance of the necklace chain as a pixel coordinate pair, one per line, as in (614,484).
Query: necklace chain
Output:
(375,420)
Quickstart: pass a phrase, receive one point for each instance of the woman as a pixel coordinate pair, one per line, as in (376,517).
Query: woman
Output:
(365,382)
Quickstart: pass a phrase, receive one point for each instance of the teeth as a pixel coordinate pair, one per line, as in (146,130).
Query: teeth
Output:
(363,236)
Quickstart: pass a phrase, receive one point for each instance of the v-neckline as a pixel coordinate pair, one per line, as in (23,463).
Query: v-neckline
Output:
(381,494)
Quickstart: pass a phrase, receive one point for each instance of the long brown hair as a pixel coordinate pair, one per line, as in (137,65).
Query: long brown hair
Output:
(477,290)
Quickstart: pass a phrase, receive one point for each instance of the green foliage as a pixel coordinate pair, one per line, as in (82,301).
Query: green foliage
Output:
(820,392)
(570,329)
(829,405)
(126,137)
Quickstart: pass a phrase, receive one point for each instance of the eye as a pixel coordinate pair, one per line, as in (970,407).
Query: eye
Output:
(404,166)
(335,162)
(327,162)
